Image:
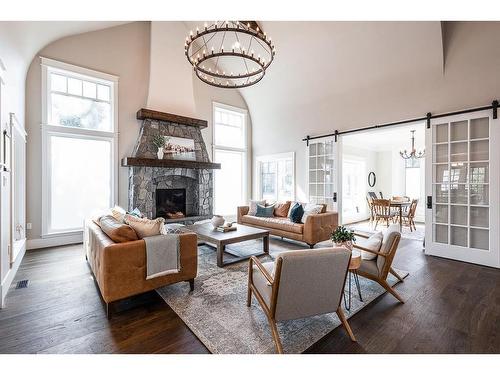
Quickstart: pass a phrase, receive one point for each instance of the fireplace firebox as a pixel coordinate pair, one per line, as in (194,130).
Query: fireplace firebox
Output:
(171,203)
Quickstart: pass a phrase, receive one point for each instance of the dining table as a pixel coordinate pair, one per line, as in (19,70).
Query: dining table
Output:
(400,204)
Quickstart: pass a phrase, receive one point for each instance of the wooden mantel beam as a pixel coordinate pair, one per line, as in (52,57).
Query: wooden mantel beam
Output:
(144,113)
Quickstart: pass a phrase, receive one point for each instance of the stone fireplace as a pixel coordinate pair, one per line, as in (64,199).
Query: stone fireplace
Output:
(178,190)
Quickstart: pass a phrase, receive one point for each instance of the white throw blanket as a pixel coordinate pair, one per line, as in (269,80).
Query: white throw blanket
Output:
(162,255)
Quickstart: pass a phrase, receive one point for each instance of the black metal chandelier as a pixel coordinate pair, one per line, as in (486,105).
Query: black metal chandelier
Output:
(413,154)
(229,54)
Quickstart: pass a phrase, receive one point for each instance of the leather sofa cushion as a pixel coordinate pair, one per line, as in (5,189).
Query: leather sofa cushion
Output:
(280,223)
(118,232)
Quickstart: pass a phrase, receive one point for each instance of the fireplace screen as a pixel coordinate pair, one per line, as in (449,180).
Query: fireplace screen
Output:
(171,203)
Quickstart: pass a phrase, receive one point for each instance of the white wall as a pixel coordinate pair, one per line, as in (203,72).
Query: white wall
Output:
(344,75)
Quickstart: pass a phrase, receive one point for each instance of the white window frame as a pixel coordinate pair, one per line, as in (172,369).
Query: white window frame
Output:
(244,149)
(48,66)
(273,158)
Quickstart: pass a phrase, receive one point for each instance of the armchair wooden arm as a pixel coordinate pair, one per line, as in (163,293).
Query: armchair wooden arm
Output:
(361,235)
(369,250)
(258,263)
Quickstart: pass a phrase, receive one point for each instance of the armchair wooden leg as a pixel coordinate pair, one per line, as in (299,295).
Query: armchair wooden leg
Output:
(191,285)
(346,325)
(250,281)
(391,290)
(276,336)
(391,270)
(249,296)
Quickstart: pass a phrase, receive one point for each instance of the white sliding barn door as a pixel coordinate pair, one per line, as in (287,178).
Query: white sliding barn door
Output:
(462,188)
(323,166)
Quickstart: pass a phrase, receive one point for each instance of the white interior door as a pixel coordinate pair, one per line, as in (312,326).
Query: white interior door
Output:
(462,188)
(323,165)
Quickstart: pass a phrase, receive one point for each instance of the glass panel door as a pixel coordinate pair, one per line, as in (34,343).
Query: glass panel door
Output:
(322,164)
(462,188)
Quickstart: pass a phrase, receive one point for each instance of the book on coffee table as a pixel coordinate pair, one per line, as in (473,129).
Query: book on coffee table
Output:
(225,229)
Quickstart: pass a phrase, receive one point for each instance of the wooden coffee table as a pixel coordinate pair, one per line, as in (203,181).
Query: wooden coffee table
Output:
(207,233)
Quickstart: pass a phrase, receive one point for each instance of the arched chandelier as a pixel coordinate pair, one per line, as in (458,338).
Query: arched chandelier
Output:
(413,154)
(229,54)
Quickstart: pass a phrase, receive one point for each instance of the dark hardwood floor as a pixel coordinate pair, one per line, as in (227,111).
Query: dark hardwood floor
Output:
(451,307)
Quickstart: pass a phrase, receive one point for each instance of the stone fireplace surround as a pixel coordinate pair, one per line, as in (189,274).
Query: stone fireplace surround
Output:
(147,173)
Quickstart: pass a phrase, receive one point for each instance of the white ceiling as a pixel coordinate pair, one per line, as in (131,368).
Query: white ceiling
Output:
(386,139)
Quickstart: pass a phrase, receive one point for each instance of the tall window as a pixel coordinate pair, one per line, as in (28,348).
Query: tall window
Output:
(79,145)
(230,149)
(275,177)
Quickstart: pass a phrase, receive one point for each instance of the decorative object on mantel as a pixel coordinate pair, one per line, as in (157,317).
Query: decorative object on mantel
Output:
(159,142)
(180,148)
(413,153)
(229,54)
(343,237)
(217,221)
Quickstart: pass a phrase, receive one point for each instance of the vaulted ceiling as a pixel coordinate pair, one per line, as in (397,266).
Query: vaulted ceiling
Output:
(29,37)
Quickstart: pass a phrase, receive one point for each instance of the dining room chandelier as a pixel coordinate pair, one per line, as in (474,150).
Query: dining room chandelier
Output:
(229,54)
(413,154)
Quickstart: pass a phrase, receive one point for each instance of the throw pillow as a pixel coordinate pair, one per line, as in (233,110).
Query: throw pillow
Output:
(136,212)
(296,213)
(281,209)
(311,209)
(145,227)
(253,206)
(292,204)
(117,231)
(118,213)
(373,243)
(263,211)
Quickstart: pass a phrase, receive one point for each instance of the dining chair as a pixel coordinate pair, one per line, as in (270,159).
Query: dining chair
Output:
(382,211)
(409,216)
(300,284)
(378,269)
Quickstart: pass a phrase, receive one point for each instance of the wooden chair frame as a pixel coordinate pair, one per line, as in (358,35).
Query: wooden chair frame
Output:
(379,205)
(409,216)
(270,311)
(382,277)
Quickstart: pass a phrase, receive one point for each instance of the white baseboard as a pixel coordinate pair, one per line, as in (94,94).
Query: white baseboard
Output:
(40,243)
(5,285)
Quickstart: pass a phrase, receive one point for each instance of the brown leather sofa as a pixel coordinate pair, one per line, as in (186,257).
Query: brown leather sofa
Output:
(317,228)
(120,268)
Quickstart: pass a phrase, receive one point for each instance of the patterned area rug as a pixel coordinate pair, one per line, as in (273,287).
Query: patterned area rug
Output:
(218,315)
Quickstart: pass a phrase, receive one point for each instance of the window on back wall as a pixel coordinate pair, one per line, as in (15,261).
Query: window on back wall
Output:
(79,135)
(230,149)
(275,177)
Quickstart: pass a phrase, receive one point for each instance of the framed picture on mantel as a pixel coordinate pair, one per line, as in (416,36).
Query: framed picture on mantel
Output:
(179,148)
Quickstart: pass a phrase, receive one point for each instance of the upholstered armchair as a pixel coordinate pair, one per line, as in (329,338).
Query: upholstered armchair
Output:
(299,284)
(377,269)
